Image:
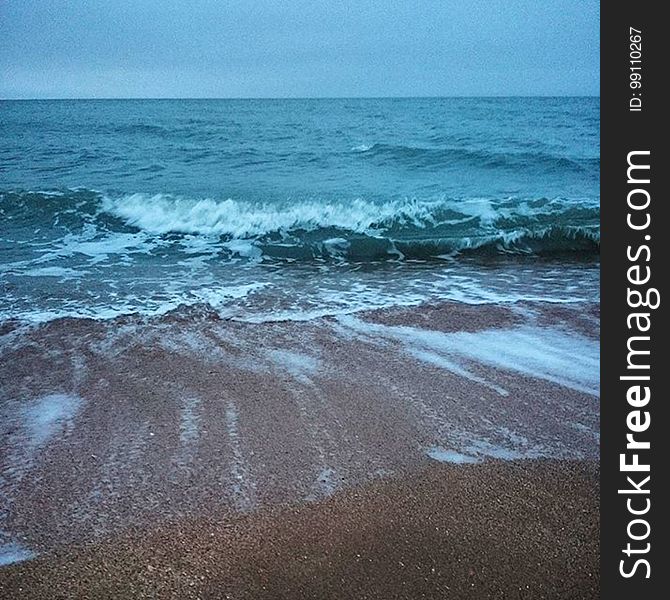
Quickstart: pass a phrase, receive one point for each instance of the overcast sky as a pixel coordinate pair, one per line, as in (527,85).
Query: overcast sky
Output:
(297,48)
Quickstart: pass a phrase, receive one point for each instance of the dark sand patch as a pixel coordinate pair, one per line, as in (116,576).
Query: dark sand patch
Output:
(447,316)
(494,530)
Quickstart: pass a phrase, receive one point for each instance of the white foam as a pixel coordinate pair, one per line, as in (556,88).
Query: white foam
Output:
(450,456)
(444,363)
(566,358)
(48,415)
(336,247)
(481,208)
(480,447)
(243,486)
(89,243)
(116,243)
(189,431)
(299,365)
(13,552)
(324,486)
(200,244)
(52,193)
(218,296)
(62,272)
(244,249)
(189,423)
(244,220)
(473,449)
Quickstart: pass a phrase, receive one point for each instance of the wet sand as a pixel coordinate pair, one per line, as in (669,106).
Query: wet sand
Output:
(189,456)
(494,530)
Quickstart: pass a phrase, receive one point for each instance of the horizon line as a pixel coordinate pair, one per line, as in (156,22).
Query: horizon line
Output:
(399,97)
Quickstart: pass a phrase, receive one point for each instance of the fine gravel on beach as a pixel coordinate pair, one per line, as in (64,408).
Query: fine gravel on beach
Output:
(495,530)
(446,451)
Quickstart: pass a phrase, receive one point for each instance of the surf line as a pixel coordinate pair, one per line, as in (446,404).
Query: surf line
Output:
(641,299)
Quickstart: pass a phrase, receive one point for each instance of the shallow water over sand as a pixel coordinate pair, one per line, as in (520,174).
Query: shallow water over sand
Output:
(136,421)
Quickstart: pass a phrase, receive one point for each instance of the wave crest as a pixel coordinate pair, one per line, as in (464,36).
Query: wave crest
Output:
(424,157)
(240,220)
(355,230)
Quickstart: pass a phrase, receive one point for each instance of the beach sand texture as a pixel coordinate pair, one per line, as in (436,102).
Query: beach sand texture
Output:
(445,451)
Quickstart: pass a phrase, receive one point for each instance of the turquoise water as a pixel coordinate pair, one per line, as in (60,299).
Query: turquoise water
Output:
(268,209)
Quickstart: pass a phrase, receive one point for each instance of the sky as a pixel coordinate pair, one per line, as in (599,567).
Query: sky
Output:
(298,48)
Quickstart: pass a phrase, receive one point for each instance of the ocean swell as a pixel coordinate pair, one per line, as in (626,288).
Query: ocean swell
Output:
(426,157)
(357,229)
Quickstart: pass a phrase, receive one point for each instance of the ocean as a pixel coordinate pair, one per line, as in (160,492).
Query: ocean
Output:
(212,309)
(269,210)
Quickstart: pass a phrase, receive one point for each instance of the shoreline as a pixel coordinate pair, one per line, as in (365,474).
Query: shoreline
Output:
(153,426)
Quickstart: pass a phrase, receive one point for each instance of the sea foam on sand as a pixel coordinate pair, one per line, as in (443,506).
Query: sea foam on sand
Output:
(565,358)
(47,414)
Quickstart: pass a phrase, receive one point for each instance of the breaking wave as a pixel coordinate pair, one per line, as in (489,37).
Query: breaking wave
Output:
(356,230)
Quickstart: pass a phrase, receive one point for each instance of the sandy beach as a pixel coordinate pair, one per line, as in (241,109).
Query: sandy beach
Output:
(444,451)
(495,530)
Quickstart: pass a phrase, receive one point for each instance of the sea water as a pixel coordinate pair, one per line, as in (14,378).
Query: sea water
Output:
(290,209)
